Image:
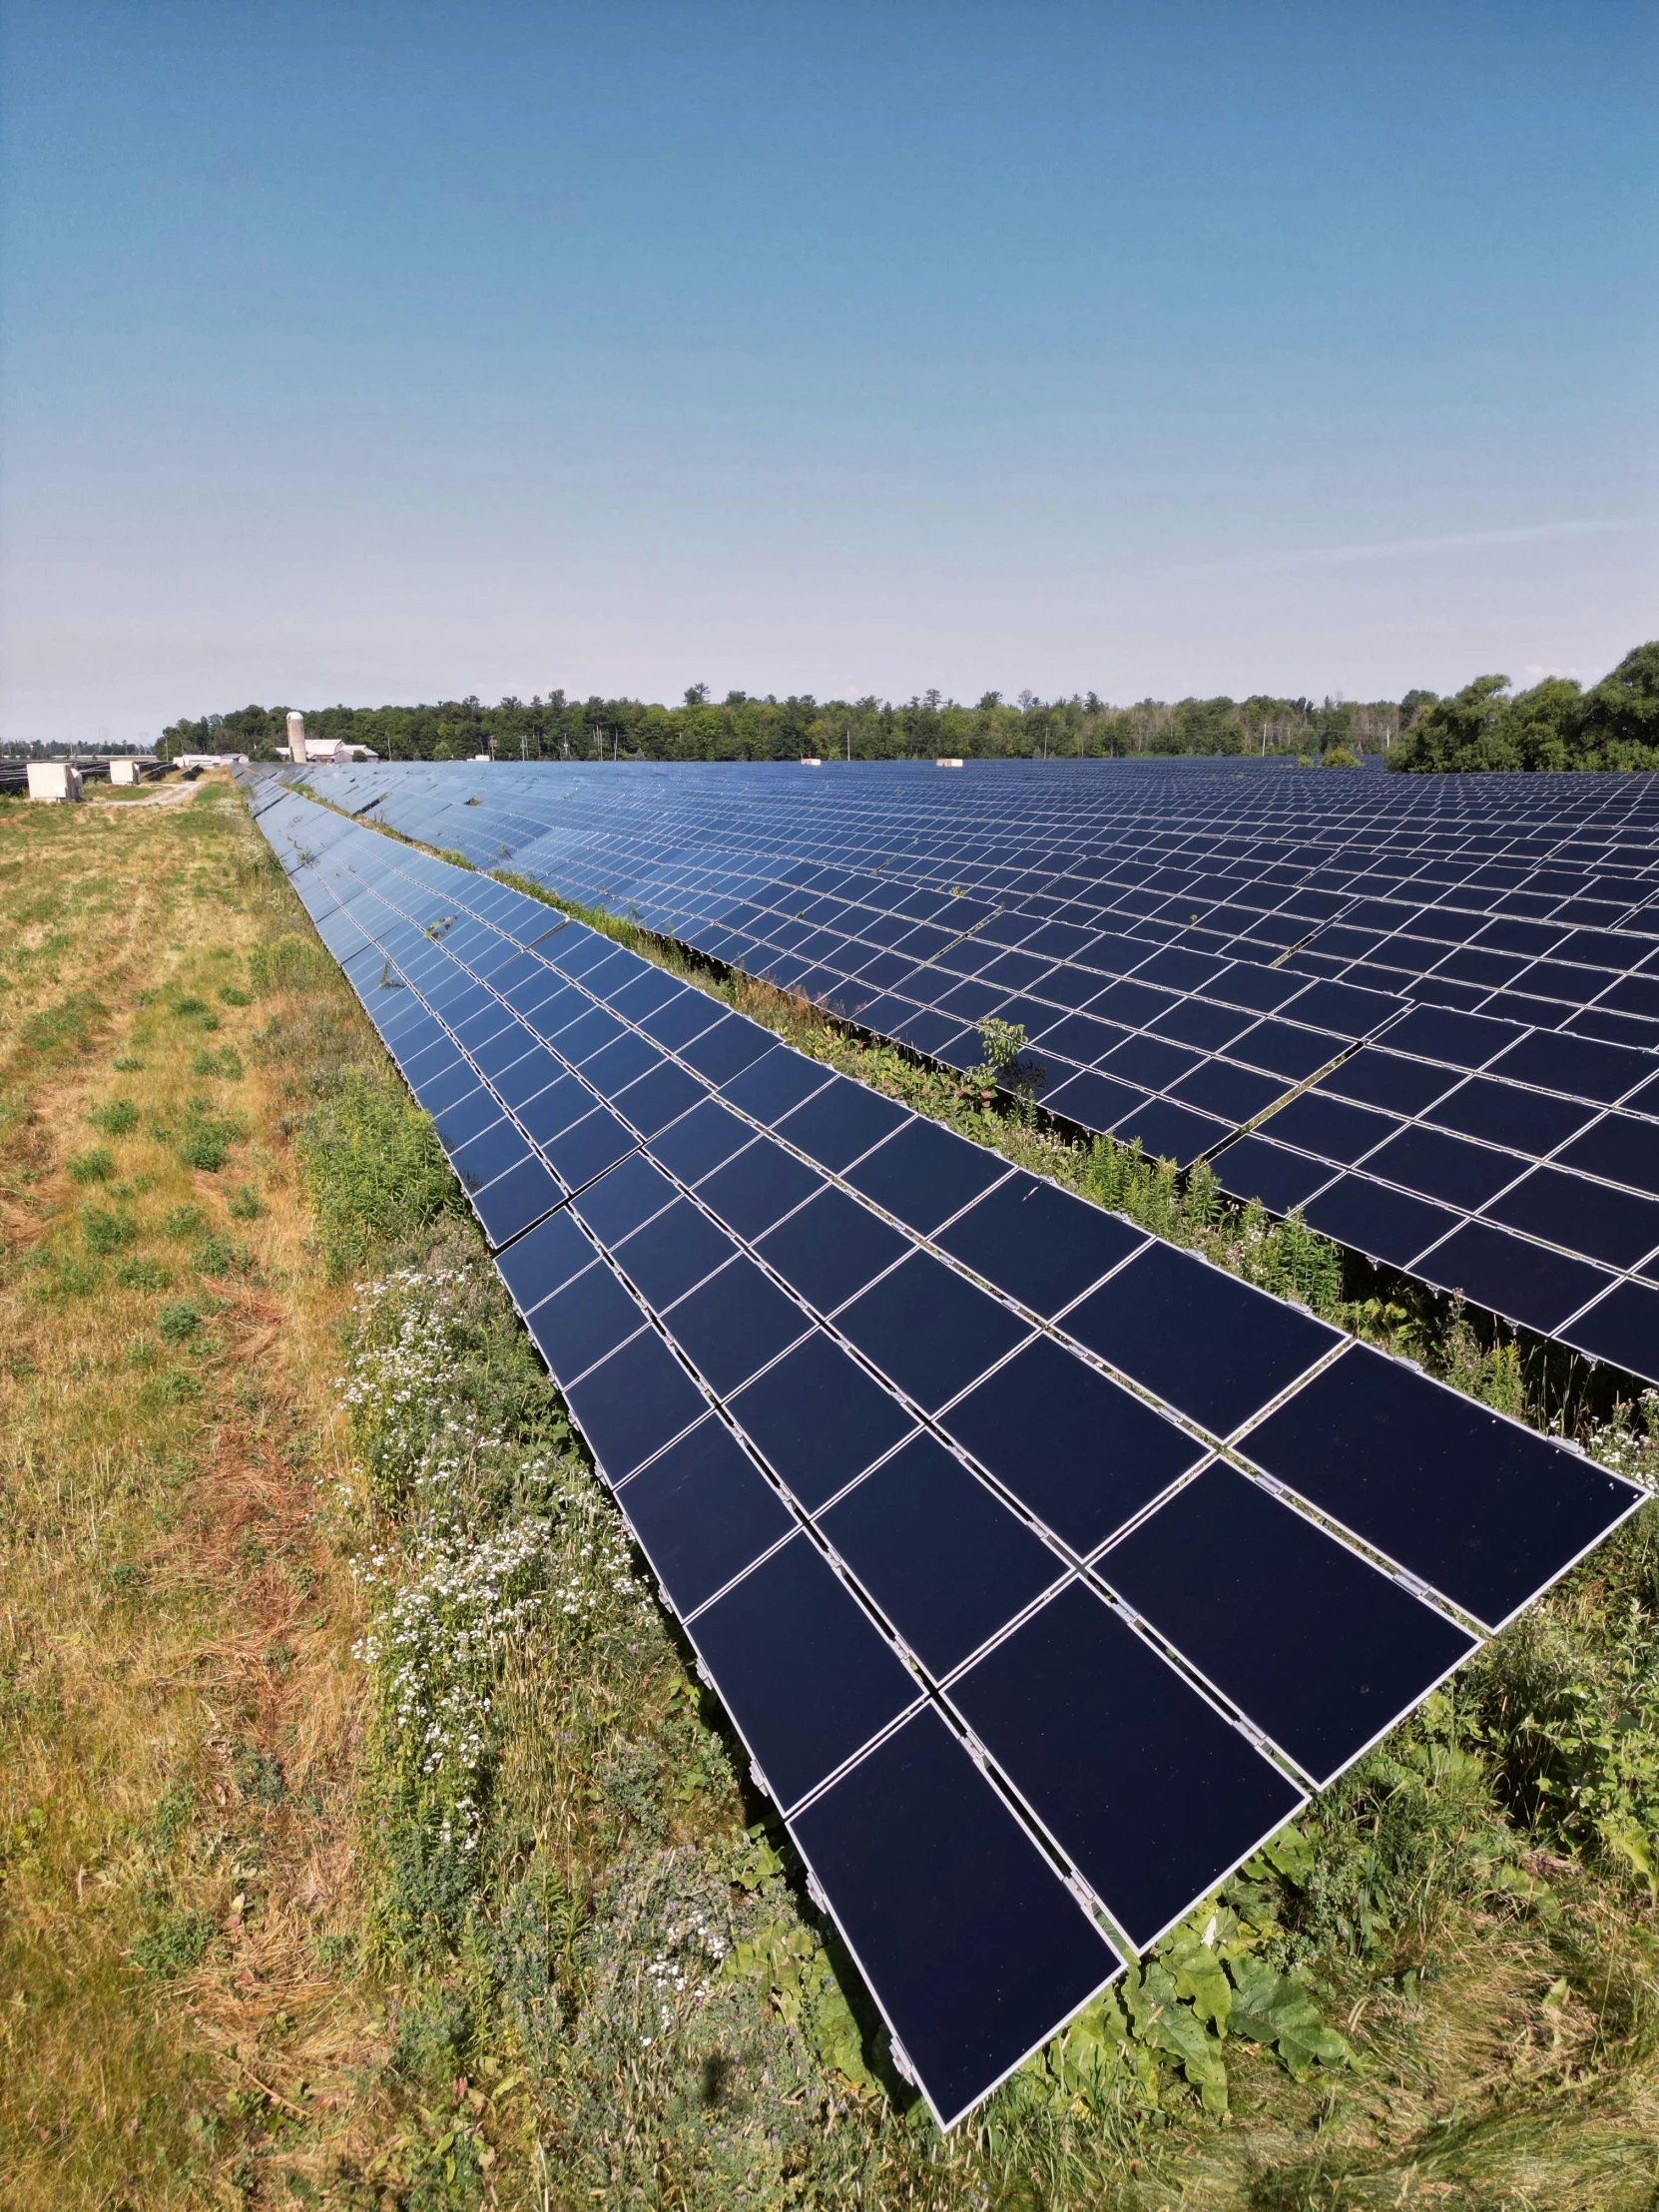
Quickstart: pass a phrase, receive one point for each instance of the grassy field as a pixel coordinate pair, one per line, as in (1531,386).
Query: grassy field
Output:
(364,1840)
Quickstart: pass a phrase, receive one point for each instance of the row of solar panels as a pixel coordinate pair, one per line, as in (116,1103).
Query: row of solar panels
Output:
(1564,850)
(1546,973)
(927,1456)
(1518,1166)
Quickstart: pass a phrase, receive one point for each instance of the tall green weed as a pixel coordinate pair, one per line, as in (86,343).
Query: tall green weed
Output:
(373,1169)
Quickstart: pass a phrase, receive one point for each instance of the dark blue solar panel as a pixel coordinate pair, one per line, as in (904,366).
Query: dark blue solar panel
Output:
(1568,1210)
(673,1252)
(1038,1243)
(1328,1127)
(832,1248)
(756,1188)
(482,1158)
(552,1111)
(1448,1169)
(447,1086)
(1170,1797)
(735,1322)
(696,1144)
(579,1325)
(820,1419)
(589,1146)
(1622,1328)
(621,1201)
(1619,1148)
(1504,1113)
(634,1403)
(473,1112)
(1525,1283)
(1376,1077)
(507,1207)
(1479,1508)
(543,1260)
(1079,1451)
(1210,1345)
(1255,1167)
(842,1121)
(655,1100)
(946,1561)
(930,1332)
(1383,1224)
(690,1013)
(803,1671)
(1244,1588)
(725,1050)
(923,1174)
(509,1046)
(942,1895)
(773,1085)
(1604,1073)
(1167,1131)
(703,1512)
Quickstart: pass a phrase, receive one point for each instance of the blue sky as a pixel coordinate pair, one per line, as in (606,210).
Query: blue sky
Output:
(368,353)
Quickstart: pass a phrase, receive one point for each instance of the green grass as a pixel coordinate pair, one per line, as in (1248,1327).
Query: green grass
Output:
(367,1841)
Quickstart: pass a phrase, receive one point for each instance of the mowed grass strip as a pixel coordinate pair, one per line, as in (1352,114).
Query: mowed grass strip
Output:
(177,1700)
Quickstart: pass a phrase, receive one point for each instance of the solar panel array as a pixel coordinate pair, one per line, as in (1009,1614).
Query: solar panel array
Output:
(1041,1567)
(1466,970)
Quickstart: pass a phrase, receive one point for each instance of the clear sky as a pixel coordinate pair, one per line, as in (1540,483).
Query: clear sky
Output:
(364,351)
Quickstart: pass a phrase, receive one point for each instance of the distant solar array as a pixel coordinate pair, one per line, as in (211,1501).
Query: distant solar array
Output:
(1466,970)
(1042,1569)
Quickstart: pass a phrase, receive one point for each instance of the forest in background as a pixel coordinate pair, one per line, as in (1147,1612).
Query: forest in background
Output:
(1553,725)
(742,728)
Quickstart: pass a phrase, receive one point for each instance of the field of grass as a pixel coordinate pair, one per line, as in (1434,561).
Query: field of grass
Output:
(364,1839)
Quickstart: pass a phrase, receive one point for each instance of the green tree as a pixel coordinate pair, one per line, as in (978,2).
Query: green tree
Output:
(1621,713)
(1462,732)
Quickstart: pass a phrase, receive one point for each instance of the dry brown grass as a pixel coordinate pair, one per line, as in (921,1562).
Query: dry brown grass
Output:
(177,1700)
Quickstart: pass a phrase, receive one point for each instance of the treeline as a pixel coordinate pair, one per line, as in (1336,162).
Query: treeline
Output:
(1555,724)
(741,727)
(1614,724)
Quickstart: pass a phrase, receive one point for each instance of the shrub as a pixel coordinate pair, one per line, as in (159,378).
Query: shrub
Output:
(94,1166)
(107,1229)
(374,1171)
(206,1137)
(226,1061)
(178,1321)
(118,1119)
(289,962)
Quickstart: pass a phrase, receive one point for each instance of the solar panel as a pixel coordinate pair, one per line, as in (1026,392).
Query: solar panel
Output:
(925,1452)
(1131,919)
